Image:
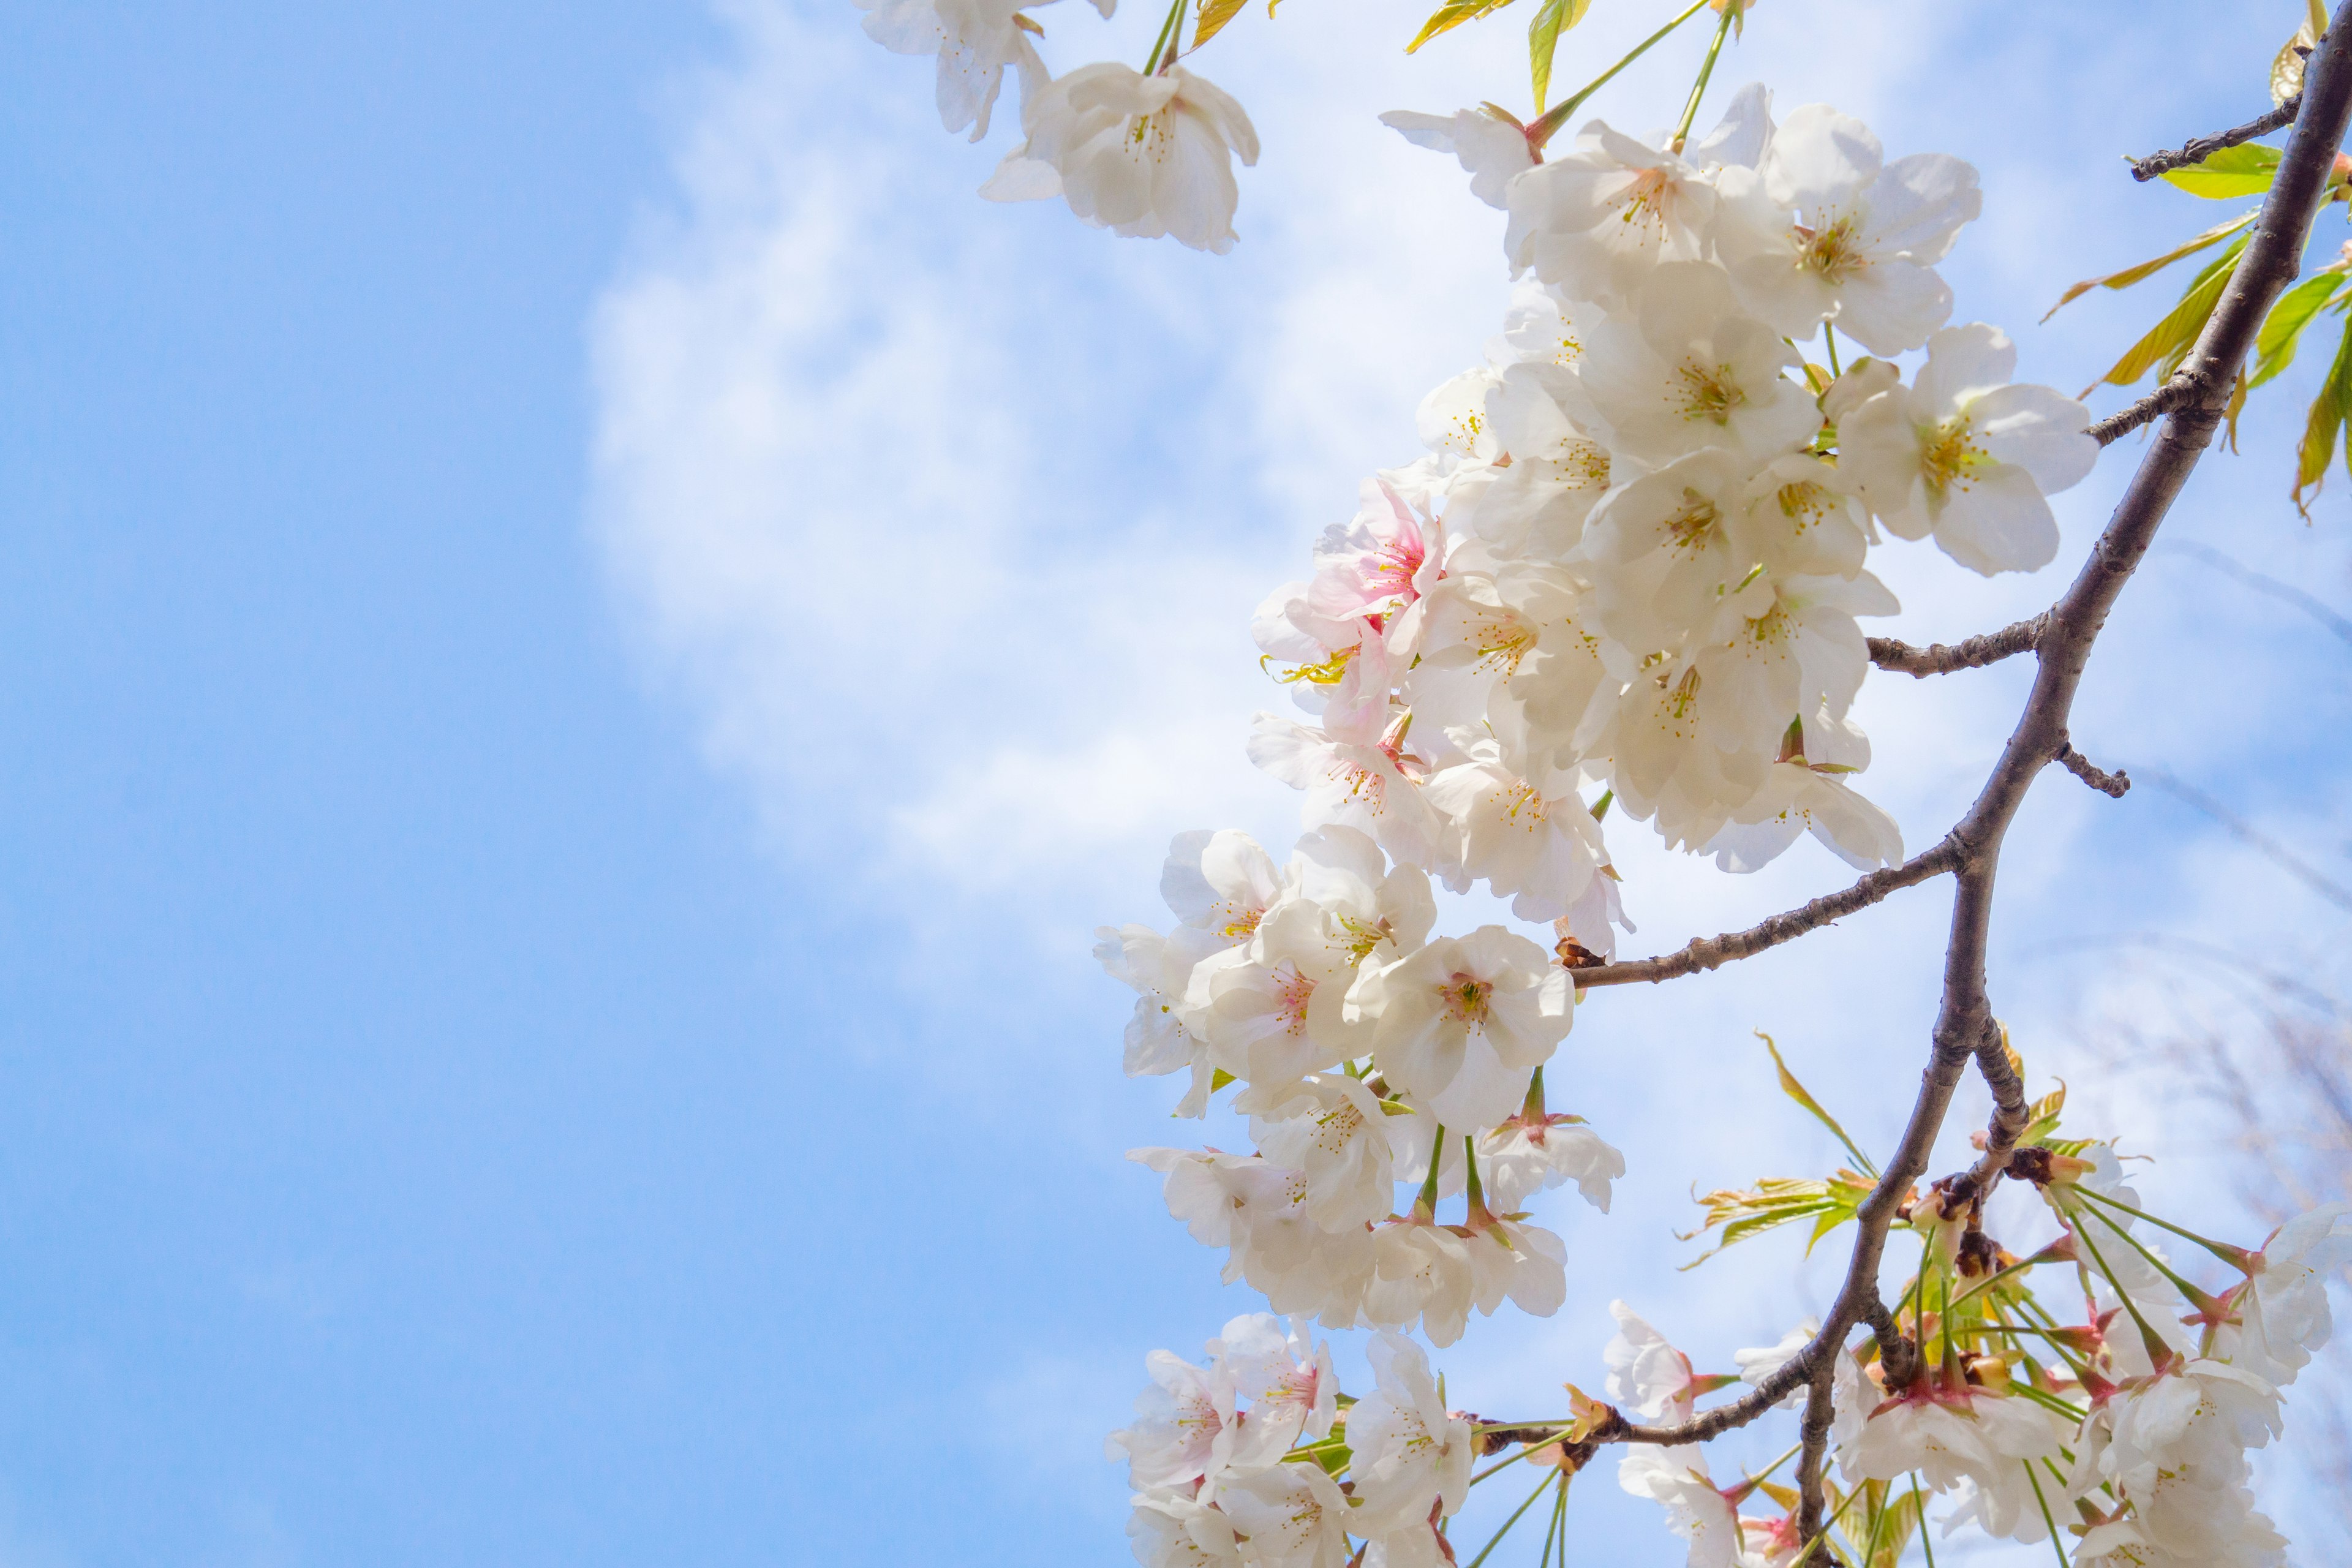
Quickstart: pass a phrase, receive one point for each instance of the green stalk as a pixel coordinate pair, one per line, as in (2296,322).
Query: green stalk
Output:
(1919,1505)
(1427,1201)
(1523,1508)
(1828,340)
(1163,49)
(2055,1544)
(1543,128)
(1523,1453)
(2190,1293)
(2232,1256)
(2153,1339)
(1707,68)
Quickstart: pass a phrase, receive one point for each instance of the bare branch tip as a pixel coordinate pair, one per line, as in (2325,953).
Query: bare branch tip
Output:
(2116,785)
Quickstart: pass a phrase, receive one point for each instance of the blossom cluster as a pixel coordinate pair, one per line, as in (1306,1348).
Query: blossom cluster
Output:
(1631,568)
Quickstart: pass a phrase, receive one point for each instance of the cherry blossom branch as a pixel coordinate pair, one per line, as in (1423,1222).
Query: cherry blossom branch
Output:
(1965,1029)
(1710,952)
(2198,149)
(2116,783)
(1939,659)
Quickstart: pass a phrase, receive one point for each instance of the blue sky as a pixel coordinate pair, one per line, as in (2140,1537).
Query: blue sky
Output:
(589,633)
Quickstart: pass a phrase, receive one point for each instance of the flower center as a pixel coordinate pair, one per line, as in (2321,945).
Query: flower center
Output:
(1467,997)
(1833,252)
(1948,455)
(1690,529)
(1708,392)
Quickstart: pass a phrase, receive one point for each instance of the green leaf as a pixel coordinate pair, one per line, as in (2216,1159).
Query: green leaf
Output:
(2323,431)
(2167,342)
(2149,269)
(1891,1526)
(1451,15)
(1212,18)
(1803,1096)
(1219,1078)
(1776,1201)
(1553,17)
(2274,347)
(2245,170)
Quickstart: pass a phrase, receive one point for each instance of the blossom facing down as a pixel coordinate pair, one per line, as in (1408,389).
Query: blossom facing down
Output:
(1965,455)
(1141,155)
(976,42)
(1491,147)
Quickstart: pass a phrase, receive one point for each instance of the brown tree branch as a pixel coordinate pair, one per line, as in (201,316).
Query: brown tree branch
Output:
(2199,149)
(2116,783)
(1938,659)
(1710,952)
(1814,1442)
(1964,1028)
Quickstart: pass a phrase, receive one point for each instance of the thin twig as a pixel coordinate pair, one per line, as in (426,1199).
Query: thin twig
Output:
(2198,149)
(2116,783)
(1708,953)
(2179,392)
(1938,658)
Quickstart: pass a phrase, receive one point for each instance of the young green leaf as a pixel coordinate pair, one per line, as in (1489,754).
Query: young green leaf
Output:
(2245,170)
(1891,1525)
(1803,1096)
(1552,18)
(1776,1201)
(1212,19)
(2149,269)
(2323,431)
(1451,15)
(2274,348)
(2167,342)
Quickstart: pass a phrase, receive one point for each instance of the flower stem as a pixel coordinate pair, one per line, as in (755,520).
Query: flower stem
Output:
(2055,1544)
(1498,1541)
(2190,1292)
(1163,49)
(2155,1340)
(2234,1255)
(1828,340)
(1543,128)
(1523,1453)
(1426,1203)
(1731,11)
(1919,1508)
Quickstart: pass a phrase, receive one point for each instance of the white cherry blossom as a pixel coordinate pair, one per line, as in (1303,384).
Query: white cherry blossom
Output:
(1329,1127)
(975,40)
(1411,1453)
(1290,1516)
(1965,455)
(1466,1021)
(1177,1533)
(1141,155)
(1491,147)
(1864,236)
(1689,369)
